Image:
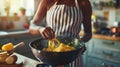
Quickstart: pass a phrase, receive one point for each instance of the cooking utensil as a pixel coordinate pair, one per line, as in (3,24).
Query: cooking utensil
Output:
(52,58)
(16,47)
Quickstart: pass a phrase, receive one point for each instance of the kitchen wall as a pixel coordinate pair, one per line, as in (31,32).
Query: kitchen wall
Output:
(110,12)
(113,15)
(15,5)
(31,8)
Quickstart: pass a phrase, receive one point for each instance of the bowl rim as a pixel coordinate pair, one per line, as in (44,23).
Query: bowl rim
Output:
(30,45)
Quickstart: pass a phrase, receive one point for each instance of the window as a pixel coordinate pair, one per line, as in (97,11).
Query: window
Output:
(13,6)
(11,18)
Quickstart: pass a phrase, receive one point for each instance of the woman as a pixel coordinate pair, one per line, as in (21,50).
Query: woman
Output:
(64,18)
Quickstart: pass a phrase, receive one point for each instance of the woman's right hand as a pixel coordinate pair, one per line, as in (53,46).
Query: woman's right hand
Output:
(47,33)
(34,30)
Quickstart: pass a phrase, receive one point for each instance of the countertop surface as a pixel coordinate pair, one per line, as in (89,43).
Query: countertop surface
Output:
(105,37)
(27,62)
(13,32)
(99,36)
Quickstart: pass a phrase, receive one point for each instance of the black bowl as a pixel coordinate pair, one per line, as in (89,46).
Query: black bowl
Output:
(52,58)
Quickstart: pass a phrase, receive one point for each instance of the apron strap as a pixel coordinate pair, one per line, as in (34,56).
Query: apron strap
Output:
(76,3)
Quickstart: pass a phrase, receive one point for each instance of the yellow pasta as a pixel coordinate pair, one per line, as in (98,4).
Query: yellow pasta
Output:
(60,48)
(8,46)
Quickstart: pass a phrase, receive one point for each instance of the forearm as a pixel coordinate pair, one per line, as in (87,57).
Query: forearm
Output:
(35,26)
(87,11)
(87,30)
(40,13)
(86,37)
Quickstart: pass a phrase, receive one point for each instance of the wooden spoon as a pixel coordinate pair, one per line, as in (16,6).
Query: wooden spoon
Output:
(16,47)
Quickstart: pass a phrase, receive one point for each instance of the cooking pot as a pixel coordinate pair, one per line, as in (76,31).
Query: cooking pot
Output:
(53,58)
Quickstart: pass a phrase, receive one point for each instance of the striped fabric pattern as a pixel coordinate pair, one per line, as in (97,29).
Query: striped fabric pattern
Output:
(65,21)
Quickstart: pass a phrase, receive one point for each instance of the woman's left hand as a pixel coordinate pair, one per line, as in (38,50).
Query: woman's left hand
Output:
(83,49)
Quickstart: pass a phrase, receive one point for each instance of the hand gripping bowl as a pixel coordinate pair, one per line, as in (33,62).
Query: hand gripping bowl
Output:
(52,58)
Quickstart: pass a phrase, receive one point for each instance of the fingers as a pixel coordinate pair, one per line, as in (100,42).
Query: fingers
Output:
(83,49)
(48,33)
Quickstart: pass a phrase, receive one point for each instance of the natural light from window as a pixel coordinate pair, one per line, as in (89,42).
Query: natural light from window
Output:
(14,6)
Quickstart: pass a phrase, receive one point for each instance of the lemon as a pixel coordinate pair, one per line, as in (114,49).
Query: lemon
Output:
(7,46)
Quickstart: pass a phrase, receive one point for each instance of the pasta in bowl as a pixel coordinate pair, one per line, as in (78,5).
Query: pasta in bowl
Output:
(61,47)
(55,55)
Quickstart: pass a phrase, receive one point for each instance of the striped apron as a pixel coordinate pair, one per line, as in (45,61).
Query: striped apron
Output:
(66,21)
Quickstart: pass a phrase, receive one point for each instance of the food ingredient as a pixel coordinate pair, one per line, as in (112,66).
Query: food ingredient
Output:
(3,56)
(11,59)
(60,48)
(7,46)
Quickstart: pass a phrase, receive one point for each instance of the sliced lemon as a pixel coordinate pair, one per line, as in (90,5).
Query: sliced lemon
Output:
(7,46)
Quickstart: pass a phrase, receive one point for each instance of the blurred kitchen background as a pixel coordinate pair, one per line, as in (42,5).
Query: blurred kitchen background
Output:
(16,15)
(106,16)
(103,50)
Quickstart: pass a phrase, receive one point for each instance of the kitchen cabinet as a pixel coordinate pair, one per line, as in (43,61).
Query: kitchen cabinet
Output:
(106,11)
(96,62)
(84,56)
(103,53)
(101,4)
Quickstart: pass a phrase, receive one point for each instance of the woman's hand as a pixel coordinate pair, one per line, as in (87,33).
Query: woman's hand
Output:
(34,30)
(48,33)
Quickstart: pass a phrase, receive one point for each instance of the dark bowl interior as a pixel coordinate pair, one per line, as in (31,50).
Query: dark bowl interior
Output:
(52,58)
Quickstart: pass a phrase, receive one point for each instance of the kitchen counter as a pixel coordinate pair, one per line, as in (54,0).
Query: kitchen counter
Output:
(13,33)
(105,37)
(27,62)
(21,32)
